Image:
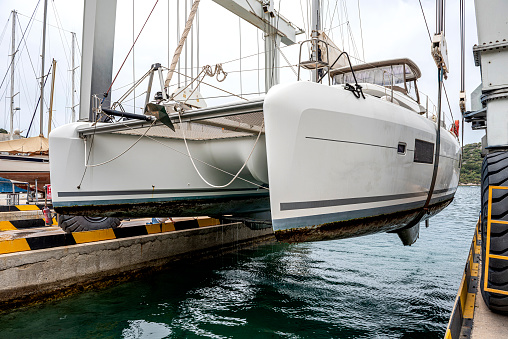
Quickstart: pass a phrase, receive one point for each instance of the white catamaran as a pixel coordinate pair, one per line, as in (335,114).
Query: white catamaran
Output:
(354,152)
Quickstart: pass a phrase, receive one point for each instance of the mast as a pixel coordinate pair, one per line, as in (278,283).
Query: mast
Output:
(315,28)
(13,53)
(51,97)
(41,129)
(73,118)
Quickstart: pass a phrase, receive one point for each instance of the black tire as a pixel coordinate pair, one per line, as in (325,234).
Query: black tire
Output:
(78,223)
(495,173)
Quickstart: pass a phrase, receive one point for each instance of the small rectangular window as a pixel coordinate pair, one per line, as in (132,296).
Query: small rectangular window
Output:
(401,148)
(424,152)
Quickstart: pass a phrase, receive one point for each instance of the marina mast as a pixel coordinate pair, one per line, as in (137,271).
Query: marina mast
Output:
(13,54)
(41,129)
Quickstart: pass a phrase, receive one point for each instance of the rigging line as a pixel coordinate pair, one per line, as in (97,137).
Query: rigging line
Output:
(330,29)
(133,60)
(257,38)
(67,58)
(4,30)
(333,15)
(289,64)
(29,56)
(128,149)
(38,101)
(447,100)
(303,17)
(240,35)
(107,92)
(425,19)
(361,30)
(59,28)
(218,88)
(19,44)
(239,171)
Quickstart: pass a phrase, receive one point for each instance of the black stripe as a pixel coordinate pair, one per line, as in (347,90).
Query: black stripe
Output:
(149,191)
(28,223)
(48,241)
(126,232)
(286,206)
(13,208)
(374,145)
(352,142)
(186,225)
(27,159)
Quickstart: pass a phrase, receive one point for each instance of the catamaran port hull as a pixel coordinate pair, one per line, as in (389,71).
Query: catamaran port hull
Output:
(155,177)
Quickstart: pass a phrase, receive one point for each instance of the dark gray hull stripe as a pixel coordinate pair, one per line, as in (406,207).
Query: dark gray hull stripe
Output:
(287,223)
(288,206)
(155,191)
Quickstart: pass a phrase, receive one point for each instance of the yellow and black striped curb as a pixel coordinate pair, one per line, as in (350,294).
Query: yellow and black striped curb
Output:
(24,223)
(27,207)
(68,239)
(461,320)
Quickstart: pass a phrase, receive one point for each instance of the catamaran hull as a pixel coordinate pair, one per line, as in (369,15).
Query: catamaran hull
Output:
(155,177)
(340,166)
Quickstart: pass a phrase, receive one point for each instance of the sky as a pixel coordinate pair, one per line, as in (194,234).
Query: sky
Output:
(387,30)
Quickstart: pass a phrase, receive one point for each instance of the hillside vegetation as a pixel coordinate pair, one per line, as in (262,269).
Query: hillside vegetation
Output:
(471,165)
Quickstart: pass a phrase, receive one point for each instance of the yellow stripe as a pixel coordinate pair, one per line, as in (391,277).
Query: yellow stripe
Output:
(168,227)
(16,245)
(6,226)
(495,256)
(55,222)
(469,309)
(499,187)
(28,207)
(463,293)
(487,246)
(91,236)
(153,228)
(448,334)
(208,222)
(493,290)
(499,222)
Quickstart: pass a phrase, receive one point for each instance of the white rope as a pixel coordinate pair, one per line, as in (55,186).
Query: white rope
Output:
(119,155)
(197,171)
(188,155)
(178,51)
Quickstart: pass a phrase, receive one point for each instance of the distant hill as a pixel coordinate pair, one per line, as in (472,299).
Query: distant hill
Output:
(471,164)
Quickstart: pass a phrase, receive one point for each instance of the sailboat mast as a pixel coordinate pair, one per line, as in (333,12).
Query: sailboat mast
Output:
(315,28)
(13,52)
(316,18)
(41,129)
(73,118)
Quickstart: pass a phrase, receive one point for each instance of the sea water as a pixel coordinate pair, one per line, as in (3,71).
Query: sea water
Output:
(368,287)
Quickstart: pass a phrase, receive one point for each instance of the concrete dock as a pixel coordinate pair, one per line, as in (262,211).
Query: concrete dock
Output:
(471,318)
(43,263)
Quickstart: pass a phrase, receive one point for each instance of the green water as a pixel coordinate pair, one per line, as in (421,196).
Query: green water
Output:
(369,287)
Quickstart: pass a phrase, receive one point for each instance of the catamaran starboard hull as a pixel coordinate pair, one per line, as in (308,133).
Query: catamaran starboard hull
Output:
(340,166)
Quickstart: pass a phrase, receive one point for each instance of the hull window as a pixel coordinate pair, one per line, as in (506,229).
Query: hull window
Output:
(424,152)
(401,148)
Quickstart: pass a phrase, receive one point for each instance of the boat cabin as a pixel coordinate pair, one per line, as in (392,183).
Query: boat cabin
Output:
(388,76)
